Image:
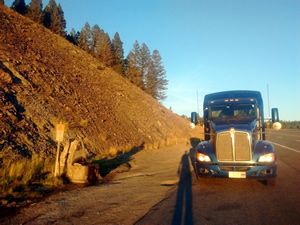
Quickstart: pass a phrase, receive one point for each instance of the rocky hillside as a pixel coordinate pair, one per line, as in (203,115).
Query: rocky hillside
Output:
(44,79)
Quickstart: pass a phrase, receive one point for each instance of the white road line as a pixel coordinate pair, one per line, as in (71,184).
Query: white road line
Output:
(288,148)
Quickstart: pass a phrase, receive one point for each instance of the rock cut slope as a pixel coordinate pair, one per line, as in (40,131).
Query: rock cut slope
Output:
(45,79)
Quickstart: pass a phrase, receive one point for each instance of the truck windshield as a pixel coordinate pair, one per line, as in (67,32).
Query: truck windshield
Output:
(242,112)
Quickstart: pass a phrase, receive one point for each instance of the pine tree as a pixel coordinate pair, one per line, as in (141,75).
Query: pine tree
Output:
(106,51)
(47,13)
(53,18)
(61,21)
(118,51)
(19,6)
(35,11)
(97,34)
(138,64)
(133,72)
(144,60)
(102,47)
(160,76)
(85,39)
(73,36)
(151,80)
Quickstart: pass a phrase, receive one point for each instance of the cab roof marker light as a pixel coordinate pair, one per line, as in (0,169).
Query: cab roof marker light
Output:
(236,100)
(226,100)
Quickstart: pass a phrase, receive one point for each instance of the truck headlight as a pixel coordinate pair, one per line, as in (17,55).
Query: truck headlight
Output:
(202,157)
(270,157)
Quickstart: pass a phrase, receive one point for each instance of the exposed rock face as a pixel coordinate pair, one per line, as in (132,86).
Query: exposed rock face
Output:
(45,79)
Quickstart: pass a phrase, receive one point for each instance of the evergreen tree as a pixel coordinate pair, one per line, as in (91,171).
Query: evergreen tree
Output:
(61,21)
(47,14)
(144,61)
(102,47)
(35,11)
(85,39)
(133,72)
(118,51)
(73,36)
(53,18)
(106,51)
(160,76)
(19,6)
(146,71)
(97,36)
(151,80)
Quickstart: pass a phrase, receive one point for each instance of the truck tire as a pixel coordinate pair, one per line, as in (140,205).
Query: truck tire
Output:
(270,182)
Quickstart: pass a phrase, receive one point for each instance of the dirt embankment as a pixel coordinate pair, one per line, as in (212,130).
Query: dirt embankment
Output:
(45,79)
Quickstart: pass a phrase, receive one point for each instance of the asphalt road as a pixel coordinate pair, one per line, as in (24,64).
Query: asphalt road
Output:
(159,187)
(236,201)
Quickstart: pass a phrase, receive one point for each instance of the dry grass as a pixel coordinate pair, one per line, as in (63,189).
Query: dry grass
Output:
(18,175)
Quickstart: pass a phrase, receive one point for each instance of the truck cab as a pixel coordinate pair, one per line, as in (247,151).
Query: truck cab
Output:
(235,143)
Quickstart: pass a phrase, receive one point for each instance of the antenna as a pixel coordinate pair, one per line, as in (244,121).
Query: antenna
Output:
(268,96)
(197,103)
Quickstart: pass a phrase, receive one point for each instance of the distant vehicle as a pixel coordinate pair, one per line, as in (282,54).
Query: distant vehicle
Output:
(235,143)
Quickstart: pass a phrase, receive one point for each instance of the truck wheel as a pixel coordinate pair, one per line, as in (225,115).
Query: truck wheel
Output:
(270,182)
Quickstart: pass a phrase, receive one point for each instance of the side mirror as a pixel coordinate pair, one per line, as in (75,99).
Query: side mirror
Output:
(194,117)
(275,115)
(275,119)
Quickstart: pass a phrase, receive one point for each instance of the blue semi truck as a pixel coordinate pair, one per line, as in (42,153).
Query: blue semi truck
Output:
(235,143)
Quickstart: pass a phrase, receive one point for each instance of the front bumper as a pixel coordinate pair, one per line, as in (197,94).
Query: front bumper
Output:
(258,171)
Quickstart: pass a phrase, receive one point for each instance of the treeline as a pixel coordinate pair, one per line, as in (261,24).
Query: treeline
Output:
(290,124)
(141,67)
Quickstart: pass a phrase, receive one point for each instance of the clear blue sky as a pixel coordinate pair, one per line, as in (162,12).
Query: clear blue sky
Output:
(209,45)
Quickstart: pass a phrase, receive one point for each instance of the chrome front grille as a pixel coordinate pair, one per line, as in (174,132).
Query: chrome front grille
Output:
(242,146)
(224,147)
(233,146)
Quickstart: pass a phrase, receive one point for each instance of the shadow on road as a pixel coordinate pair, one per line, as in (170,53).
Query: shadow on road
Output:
(108,165)
(194,142)
(183,213)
